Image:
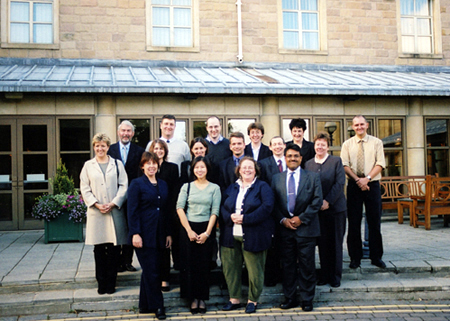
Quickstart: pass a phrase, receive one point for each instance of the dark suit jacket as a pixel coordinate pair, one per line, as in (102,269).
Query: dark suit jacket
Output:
(307,151)
(226,173)
(133,159)
(257,225)
(168,172)
(307,202)
(147,208)
(269,168)
(332,178)
(264,151)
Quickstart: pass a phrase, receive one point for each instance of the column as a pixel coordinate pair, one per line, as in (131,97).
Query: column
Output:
(415,148)
(105,118)
(270,118)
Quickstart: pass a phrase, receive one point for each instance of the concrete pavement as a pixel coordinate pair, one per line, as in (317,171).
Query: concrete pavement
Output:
(38,278)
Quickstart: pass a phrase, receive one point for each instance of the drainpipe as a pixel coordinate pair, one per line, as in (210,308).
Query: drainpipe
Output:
(240,57)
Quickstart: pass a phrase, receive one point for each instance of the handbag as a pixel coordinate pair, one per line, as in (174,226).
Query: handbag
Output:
(186,205)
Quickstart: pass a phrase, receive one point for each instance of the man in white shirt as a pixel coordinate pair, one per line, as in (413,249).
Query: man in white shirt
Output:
(178,149)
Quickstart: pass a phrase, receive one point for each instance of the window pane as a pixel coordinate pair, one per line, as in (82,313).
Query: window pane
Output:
(310,40)
(161,16)
(180,130)
(182,37)
(422,8)
(42,12)
(394,163)
(407,26)
(408,44)
(309,21)
(437,132)
(29,200)
(200,128)
(20,32)
(424,44)
(240,125)
(5,172)
(290,40)
(34,138)
(290,20)
(181,17)
(6,206)
(333,128)
(161,37)
(74,163)
(35,171)
(141,132)
(43,34)
(407,7)
(20,11)
(309,5)
(5,142)
(290,4)
(286,132)
(423,27)
(390,132)
(438,162)
(74,135)
(182,2)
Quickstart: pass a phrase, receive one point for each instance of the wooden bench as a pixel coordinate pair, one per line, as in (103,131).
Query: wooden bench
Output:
(396,193)
(437,201)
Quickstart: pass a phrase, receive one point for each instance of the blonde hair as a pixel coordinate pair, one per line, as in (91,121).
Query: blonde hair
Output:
(100,137)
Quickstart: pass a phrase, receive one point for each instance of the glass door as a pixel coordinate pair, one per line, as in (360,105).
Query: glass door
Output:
(29,155)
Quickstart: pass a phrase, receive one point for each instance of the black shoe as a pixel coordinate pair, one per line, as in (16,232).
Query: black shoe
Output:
(121,268)
(307,306)
(335,285)
(101,291)
(129,268)
(354,264)
(231,306)
(379,263)
(194,310)
(250,308)
(321,282)
(160,314)
(201,310)
(110,291)
(288,304)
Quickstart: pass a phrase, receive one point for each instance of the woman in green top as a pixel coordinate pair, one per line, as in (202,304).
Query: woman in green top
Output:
(202,200)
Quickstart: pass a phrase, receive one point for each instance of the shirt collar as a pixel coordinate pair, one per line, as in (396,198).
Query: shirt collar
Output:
(238,158)
(240,183)
(321,161)
(210,140)
(127,146)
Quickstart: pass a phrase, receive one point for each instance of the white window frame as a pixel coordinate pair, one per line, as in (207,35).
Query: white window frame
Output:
(195,30)
(436,36)
(322,24)
(6,23)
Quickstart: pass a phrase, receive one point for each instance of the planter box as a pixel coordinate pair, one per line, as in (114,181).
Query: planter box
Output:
(61,229)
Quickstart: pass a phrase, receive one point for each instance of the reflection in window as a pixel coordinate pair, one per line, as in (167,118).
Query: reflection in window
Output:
(394,163)
(141,132)
(200,128)
(332,127)
(240,125)
(74,134)
(437,147)
(390,132)
(74,163)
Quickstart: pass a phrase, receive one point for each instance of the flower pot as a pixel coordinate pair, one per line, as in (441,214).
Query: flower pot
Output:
(61,229)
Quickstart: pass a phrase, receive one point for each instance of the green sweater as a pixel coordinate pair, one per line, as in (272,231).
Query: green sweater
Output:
(202,202)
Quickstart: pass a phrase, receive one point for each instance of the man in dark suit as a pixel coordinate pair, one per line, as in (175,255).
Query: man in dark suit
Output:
(227,167)
(298,198)
(298,128)
(130,154)
(256,148)
(269,167)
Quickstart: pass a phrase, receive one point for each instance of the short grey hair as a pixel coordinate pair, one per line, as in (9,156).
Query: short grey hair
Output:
(127,123)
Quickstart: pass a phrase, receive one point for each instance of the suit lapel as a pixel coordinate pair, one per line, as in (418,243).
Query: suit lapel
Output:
(302,183)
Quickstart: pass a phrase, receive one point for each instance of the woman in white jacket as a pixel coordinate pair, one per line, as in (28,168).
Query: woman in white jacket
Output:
(103,185)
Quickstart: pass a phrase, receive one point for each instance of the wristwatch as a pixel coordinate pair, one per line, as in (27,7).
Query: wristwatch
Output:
(369,178)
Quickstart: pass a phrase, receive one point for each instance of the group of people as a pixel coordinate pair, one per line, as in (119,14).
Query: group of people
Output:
(273,205)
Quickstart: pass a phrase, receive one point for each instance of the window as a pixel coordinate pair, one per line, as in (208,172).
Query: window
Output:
(437,147)
(419,19)
(240,125)
(390,131)
(303,25)
(30,23)
(172,25)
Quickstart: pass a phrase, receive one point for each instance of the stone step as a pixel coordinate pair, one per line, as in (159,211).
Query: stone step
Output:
(126,297)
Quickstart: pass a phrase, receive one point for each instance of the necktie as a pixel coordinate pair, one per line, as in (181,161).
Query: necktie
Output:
(291,193)
(168,141)
(280,167)
(360,159)
(236,161)
(124,155)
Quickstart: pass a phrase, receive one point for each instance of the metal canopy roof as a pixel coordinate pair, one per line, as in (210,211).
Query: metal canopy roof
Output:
(170,77)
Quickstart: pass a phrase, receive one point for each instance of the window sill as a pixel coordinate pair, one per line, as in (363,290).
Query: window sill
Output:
(29,46)
(420,56)
(302,52)
(173,49)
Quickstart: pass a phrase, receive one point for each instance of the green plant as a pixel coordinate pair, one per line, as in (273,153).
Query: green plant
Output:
(62,183)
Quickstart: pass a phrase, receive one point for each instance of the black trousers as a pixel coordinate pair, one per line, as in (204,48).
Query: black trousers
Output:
(106,257)
(298,262)
(272,271)
(372,201)
(126,251)
(150,295)
(195,263)
(332,230)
